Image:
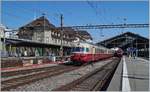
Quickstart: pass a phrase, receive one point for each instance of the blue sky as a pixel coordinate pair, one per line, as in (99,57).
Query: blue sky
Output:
(18,13)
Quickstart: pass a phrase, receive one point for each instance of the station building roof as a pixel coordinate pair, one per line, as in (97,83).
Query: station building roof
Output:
(39,22)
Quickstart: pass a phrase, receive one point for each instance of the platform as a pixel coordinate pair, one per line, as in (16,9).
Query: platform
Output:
(131,75)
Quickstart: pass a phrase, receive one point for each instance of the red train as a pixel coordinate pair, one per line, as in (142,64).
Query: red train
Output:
(118,52)
(86,52)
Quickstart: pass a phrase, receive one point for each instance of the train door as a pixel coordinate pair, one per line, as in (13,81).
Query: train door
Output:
(93,53)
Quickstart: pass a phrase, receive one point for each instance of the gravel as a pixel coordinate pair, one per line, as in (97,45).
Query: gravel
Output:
(50,83)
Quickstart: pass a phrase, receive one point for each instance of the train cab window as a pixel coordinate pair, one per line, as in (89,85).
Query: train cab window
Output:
(77,48)
(81,49)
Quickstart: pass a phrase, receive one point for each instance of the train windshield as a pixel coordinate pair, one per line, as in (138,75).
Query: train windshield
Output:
(80,49)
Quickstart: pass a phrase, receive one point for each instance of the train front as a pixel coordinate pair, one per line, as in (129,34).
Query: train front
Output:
(80,55)
(118,52)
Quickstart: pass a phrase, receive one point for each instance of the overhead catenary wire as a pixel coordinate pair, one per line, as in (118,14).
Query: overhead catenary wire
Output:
(96,11)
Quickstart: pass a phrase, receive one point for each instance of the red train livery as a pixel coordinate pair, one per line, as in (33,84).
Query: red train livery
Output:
(86,52)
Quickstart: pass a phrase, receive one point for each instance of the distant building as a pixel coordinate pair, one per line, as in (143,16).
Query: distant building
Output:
(8,33)
(2,29)
(13,34)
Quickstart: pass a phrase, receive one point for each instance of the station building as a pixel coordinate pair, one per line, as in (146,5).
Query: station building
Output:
(40,37)
(131,44)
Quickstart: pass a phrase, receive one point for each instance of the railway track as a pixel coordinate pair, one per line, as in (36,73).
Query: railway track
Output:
(34,76)
(96,80)
(31,70)
(26,71)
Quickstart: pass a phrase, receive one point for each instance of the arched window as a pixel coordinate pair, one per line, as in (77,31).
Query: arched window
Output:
(38,24)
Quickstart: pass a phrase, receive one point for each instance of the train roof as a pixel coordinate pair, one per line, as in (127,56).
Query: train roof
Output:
(94,44)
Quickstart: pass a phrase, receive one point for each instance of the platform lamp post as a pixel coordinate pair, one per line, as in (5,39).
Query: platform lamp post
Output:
(43,34)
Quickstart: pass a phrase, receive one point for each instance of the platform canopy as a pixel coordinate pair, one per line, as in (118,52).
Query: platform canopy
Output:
(27,43)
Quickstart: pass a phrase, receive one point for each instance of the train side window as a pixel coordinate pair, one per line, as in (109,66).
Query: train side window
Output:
(84,49)
(102,51)
(87,49)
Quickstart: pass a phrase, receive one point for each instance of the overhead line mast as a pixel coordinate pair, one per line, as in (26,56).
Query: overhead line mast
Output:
(61,24)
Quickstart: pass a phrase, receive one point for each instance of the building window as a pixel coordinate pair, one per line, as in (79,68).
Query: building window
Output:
(38,24)
(55,34)
(52,33)
(47,39)
(59,41)
(55,40)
